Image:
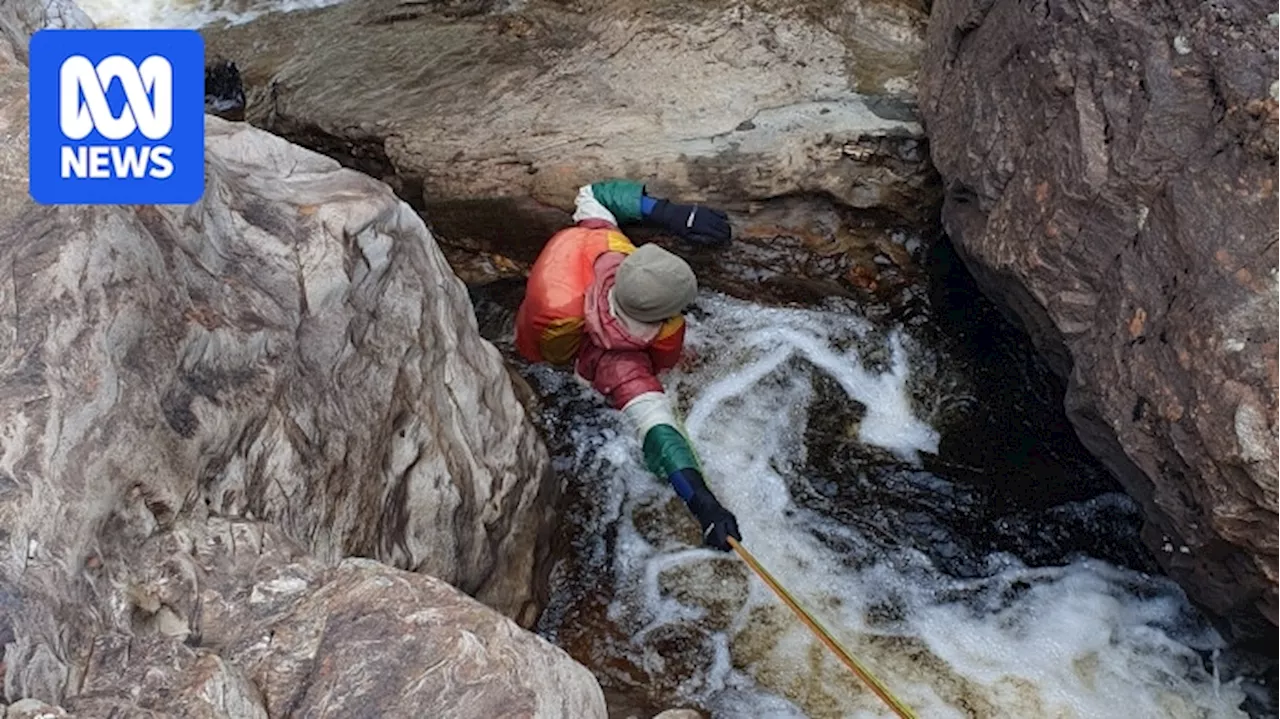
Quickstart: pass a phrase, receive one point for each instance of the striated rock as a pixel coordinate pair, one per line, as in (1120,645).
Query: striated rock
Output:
(20,18)
(534,102)
(291,350)
(1111,179)
(442,654)
(158,677)
(313,640)
(489,118)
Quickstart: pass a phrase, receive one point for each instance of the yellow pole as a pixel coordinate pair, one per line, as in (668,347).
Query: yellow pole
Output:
(902,710)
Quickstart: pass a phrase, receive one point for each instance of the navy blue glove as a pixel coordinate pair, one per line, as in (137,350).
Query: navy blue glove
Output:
(693,223)
(718,523)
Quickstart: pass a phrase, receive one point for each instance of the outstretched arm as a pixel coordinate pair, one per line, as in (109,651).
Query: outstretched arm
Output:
(668,453)
(623,201)
(628,380)
(614,201)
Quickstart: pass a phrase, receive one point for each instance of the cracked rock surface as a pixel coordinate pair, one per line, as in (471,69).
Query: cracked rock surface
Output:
(1110,173)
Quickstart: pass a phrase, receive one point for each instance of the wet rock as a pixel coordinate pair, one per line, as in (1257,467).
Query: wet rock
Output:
(806,250)
(1111,181)
(718,587)
(223,90)
(800,250)
(493,129)
(677,658)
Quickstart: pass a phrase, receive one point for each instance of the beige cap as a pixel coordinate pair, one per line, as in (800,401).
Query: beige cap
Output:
(653,284)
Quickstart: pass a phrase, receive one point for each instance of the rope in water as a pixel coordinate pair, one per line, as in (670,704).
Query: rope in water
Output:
(902,710)
(878,687)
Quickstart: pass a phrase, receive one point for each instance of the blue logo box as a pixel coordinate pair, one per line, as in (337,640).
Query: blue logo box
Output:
(117,117)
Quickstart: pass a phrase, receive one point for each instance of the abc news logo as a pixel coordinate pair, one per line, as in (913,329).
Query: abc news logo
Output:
(148,91)
(117,116)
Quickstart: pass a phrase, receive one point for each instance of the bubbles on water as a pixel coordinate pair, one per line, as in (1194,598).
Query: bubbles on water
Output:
(1086,639)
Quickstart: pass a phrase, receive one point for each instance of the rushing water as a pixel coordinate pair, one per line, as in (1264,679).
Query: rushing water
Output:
(653,613)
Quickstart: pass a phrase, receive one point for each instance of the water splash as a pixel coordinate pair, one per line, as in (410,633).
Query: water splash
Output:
(1087,639)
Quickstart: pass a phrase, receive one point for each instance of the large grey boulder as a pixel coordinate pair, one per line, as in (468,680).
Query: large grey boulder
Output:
(293,348)
(291,355)
(282,634)
(1111,179)
(480,100)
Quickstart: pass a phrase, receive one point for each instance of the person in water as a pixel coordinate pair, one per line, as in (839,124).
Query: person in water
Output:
(614,311)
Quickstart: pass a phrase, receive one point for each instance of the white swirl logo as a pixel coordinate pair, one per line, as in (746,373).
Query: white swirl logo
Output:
(148,91)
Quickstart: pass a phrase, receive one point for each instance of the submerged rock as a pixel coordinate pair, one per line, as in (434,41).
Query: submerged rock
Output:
(1111,180)
(489,120)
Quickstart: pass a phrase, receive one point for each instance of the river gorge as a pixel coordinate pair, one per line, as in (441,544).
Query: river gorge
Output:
(911,441)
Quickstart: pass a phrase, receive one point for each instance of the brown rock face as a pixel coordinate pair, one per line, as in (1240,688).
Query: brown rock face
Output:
(1111,178)
(489,120)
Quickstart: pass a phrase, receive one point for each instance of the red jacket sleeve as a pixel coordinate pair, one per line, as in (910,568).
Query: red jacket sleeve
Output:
(619,375)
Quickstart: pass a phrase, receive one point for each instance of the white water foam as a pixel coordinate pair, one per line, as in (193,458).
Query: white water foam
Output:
(1083,640)
(186,13)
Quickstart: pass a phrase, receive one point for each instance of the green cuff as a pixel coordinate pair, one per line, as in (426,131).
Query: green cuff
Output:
(666,451)
(621,197)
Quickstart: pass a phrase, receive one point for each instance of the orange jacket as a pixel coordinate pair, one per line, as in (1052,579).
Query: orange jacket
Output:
(560,319)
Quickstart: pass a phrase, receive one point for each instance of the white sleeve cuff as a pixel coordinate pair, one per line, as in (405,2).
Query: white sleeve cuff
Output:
(649,410)
(589,208)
